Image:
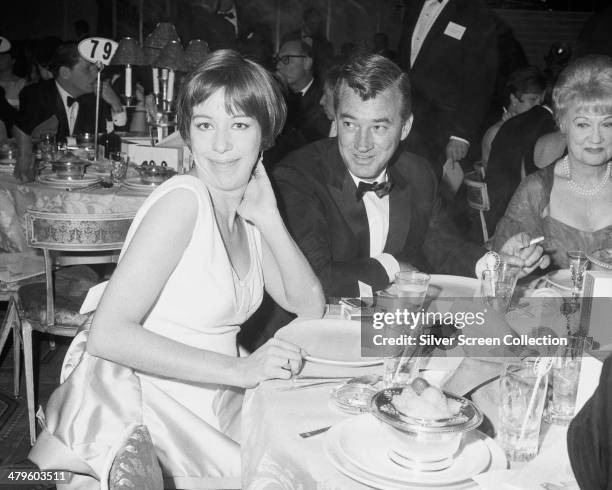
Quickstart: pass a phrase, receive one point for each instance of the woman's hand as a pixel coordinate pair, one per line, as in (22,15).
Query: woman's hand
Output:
(258,201)
(528,257)
(276,359)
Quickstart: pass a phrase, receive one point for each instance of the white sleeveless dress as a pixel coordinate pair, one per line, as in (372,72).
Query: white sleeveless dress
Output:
(194,427)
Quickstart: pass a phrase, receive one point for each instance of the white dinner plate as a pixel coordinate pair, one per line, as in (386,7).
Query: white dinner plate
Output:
(560,279)
(444,286)
(136,183)
(370,464)
(333,342)
(53,181)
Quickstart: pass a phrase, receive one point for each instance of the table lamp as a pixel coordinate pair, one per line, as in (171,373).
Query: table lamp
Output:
(170,60)
(154,43)
(128,53)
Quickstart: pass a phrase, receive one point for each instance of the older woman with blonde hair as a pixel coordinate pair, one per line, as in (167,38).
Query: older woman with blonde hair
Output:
(194,266)
(570,202)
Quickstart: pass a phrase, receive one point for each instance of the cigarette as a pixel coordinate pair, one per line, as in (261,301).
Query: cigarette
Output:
(535,241)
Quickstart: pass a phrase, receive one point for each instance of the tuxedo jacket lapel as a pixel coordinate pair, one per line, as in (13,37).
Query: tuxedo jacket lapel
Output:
(437,29)
(399,213)
(342,190)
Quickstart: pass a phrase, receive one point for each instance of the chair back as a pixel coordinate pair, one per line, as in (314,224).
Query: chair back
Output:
(478,198)
(72,239)
(135,464)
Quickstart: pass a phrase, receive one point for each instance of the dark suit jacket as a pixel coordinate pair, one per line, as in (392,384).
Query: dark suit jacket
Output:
(317,195)
(40,101)
(452,80)
(513,144)
(306,122)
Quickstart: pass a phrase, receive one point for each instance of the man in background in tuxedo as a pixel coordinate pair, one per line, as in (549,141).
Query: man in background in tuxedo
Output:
(449,49)
(65,105)
(306,120)
(360,208)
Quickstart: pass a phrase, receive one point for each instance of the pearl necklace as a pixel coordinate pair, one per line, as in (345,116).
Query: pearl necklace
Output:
(577,188)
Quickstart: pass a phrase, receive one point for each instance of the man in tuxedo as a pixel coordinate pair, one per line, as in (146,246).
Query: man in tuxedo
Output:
(449,48)
(360,208)
(306,120)
(65,105)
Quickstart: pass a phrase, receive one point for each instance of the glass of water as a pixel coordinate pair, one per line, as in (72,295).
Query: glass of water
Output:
(411,287)
(523,393)
(119,165)
(497,286)
(565,375)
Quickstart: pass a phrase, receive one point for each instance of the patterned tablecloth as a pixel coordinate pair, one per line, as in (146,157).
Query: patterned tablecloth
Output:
(16,197)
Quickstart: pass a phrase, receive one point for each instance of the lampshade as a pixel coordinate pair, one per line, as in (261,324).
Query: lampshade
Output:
(173,57)
(163,33)
(128,53)
(196,52)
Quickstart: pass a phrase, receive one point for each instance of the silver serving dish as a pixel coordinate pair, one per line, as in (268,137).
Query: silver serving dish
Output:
(382,407)
(601,260)
(68,166)
(151,174)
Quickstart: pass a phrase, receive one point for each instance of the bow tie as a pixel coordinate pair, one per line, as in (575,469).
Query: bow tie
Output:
(380,188)
(228,15)
(70,100)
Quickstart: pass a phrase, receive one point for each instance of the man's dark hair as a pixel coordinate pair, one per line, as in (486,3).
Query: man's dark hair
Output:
(528,80)
(370,74)
(66,55)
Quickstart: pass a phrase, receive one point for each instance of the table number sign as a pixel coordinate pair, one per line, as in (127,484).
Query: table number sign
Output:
(98,50)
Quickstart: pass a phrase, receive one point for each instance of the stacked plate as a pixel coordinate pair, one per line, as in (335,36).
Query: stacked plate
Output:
(135,184)
(360,448)
(7,165)
(52,180)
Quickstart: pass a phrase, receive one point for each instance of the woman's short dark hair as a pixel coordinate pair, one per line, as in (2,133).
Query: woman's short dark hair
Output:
(370,74)
(586,82)
(249,88)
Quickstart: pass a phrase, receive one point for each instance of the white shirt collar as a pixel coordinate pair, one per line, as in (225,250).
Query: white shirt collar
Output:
(382,177)
(63,94)
(305,89)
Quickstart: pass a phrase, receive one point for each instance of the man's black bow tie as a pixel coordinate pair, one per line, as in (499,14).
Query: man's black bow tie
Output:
(380,188)
(228,15)
(70,100)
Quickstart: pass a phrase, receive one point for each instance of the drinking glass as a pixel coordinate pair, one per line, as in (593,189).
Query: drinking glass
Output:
(47,146)
(565,374)
(523,393)
(578,263)
(119,164)
(411,287)
(497,286)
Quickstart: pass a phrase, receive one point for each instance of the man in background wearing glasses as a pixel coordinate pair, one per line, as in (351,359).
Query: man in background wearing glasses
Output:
(306,120)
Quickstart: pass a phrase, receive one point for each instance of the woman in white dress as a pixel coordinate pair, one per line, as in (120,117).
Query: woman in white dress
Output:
(193,268)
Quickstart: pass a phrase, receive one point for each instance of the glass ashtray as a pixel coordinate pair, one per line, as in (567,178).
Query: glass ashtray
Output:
(353,398)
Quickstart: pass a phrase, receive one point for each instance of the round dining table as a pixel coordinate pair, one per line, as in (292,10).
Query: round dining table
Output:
(275,413)
(16,197)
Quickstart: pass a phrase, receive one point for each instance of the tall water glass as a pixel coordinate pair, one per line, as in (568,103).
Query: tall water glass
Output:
(565,375)
(497,286)
(523,394)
